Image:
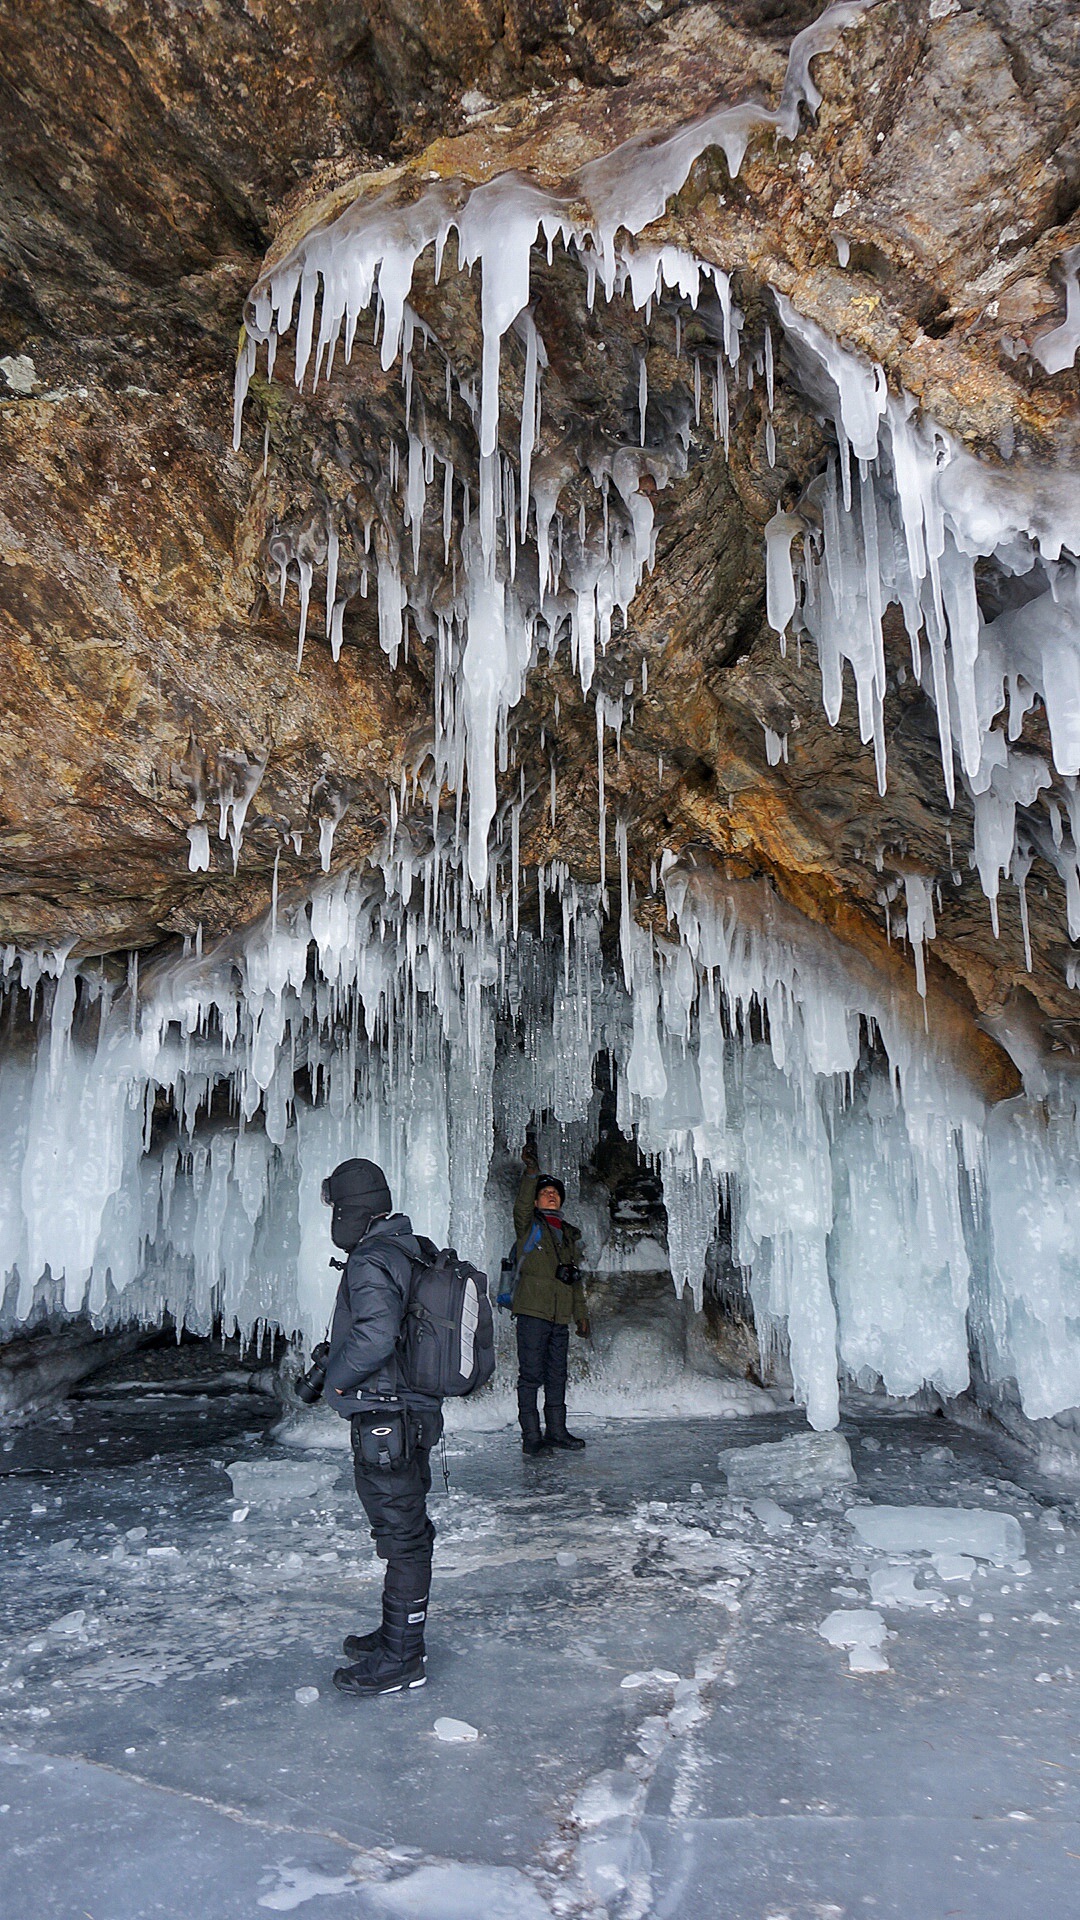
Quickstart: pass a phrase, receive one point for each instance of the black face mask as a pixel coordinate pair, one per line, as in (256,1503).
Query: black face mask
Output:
(358,1193)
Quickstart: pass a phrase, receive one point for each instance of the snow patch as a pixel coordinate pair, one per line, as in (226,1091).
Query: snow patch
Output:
(297,1885)
(452,1892)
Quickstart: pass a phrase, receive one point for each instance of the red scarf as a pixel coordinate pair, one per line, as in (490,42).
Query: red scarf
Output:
(552,1220)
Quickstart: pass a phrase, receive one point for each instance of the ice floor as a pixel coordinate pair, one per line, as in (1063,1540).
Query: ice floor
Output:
(662,1729)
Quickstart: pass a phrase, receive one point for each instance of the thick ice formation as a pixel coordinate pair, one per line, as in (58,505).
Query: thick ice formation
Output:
(904,516)
(487,630)
(1058,349)
(165,1142)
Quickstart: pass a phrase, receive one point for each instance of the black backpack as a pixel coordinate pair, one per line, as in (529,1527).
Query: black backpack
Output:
(509,1274)
(447,1344)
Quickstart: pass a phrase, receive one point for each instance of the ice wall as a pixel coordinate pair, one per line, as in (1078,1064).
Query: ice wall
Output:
(166,1142)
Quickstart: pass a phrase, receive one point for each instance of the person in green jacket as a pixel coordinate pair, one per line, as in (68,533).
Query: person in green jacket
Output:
(548,1295)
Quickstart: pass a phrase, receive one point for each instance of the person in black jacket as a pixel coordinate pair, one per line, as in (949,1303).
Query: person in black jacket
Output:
(393,1428)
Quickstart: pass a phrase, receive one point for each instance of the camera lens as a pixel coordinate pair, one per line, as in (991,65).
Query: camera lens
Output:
(310,1385)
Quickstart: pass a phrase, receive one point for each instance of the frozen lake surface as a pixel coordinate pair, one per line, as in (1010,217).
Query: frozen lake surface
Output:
(662,1728)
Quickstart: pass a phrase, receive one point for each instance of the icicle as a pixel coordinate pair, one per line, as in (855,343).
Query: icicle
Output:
(332,550)
(530,413)
(601,800)
(1021,867)
(515,864)
(780,531)
(199,854)
(920,923)
(415,490)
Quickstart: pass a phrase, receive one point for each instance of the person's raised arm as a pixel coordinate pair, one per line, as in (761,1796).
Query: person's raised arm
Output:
(525,1204)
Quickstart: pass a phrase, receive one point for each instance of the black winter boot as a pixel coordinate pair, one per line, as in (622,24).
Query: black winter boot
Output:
(532,1439)
(355,1645)
(556,1434)
(396,1663)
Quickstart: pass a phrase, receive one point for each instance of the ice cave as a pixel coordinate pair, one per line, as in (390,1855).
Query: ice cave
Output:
(542,602)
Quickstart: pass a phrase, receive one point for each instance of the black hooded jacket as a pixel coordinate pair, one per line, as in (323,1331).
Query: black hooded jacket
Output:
(362,1371)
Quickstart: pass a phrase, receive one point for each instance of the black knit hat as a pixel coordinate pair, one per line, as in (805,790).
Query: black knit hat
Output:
(549,1180)
(358,1193)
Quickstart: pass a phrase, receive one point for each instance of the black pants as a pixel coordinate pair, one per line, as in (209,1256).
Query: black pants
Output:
(542,1353)
(395,1502)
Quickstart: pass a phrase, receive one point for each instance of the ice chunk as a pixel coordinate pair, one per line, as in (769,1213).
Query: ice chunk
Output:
(306,1696)
(953,1566)
(805,1461)
(774,1519)
(455,1732)
(863,1632)
(70,1625)
(973,1531)
(272,1483)
(895,1587)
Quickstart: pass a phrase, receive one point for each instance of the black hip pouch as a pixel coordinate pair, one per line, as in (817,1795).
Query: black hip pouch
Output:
(382,1439)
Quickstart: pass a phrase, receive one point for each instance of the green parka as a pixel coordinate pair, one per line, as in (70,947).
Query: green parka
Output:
(538,1291)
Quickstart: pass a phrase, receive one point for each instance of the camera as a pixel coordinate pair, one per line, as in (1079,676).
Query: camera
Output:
(310,1384)
(566,1273)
